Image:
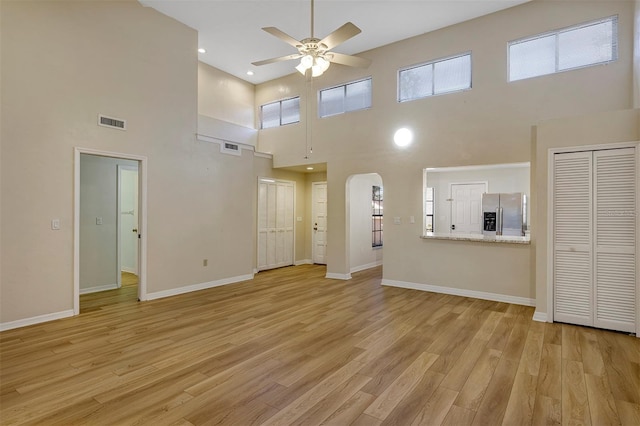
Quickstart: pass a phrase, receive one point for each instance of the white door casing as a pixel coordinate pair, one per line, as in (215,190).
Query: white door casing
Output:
(142,218)
(466,207)
(319,222)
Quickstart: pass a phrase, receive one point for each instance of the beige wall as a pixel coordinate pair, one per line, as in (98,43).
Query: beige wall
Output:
(200,202)
(491,123)
(225,97)
(593,129)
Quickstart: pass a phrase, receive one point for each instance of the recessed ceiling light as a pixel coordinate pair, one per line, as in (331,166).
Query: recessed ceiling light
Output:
(249,72)
(309,168)
(201,50)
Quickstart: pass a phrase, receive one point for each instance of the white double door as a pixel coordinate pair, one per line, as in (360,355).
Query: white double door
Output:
(594,232)
(275,224)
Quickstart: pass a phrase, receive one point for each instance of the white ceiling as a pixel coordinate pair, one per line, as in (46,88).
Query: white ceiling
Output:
(230,30)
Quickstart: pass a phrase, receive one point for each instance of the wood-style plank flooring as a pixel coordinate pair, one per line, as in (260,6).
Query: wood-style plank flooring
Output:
(291,347)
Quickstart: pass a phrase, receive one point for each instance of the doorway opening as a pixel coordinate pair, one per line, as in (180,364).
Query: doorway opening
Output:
(365,221)
(109,229)
(319,222)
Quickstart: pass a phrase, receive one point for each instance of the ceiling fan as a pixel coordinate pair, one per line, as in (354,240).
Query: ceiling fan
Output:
(314,53)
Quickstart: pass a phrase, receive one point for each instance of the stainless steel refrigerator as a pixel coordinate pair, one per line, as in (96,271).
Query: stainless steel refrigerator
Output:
(504,214)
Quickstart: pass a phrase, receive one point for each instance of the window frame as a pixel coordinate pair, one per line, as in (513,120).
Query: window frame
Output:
(279,102)
(433,62)
(556,33)
(377,216)
(344,86)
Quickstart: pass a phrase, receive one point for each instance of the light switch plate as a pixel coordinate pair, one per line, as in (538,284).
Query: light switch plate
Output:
(412,219)
(396,220)
(55,224)
(299,219)
(98,221)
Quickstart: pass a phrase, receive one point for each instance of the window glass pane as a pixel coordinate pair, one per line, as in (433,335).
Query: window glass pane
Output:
(291,111)
(586,46)
(452,74)
(358,95)
(416,82)
(532,58)
(271,115)
(429,194)
(430,207)
(332,101)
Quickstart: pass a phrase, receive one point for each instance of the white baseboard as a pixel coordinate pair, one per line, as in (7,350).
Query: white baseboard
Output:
(129,270)
(540,316)
(367,266)
(334,276)
(196,287)
(303,262)
(35,320)
(98,288)
(462,292)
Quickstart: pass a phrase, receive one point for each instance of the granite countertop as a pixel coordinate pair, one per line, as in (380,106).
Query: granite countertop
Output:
(476,237)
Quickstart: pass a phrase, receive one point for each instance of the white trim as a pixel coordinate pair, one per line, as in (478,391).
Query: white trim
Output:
(142,219)
(35,320)
(99,288)
(335,276)
(313,217)
(197,287)
(263,155)
(516,300)
(303,262)
(220,141)
(128,270)
(550,225)
(540,316)
(367,266)
(479,167)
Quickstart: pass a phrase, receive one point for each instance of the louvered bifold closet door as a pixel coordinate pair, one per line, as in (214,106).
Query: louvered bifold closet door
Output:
(615,239)
(572,257)
(263,230)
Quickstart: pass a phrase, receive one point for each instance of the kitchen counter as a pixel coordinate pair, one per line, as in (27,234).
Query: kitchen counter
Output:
(476,237)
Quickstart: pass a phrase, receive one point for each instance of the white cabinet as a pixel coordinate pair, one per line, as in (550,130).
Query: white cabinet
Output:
(275,224)
(594,232)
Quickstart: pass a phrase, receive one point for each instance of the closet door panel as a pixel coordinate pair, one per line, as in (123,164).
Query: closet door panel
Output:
(572,257)
(615,239)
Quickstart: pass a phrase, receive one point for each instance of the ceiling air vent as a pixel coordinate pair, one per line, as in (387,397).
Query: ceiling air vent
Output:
(114,123)
(230,148)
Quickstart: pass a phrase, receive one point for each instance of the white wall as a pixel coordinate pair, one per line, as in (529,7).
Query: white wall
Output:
(98,198)
(361,254)
(499,179)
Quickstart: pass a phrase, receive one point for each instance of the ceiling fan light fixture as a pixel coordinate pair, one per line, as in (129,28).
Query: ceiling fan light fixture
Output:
(323,63)
(307,61)
(301,69)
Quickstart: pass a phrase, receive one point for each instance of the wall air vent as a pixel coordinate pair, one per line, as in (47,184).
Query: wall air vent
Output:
(114,123)
(230,148)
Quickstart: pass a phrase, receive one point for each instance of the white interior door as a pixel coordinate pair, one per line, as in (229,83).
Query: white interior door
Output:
(594,217)
(319,217)
(275,224)
(128,178)
(466,207)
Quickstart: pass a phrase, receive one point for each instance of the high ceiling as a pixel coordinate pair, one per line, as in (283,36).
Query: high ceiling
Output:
(230,30)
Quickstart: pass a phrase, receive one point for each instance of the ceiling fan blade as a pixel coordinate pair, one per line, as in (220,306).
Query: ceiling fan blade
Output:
(283,36)
(340,35)
(280,59)
(351,61)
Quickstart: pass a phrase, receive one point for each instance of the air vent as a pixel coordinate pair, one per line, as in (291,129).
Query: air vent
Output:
(114,123)
(230,148)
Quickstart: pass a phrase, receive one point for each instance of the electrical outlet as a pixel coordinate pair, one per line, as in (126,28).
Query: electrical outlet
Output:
(205,262)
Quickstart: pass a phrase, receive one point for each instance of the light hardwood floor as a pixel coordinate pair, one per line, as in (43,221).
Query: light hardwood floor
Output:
(291,347)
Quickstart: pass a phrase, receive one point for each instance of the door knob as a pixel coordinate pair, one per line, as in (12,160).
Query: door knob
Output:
(134,230)
(315,229)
